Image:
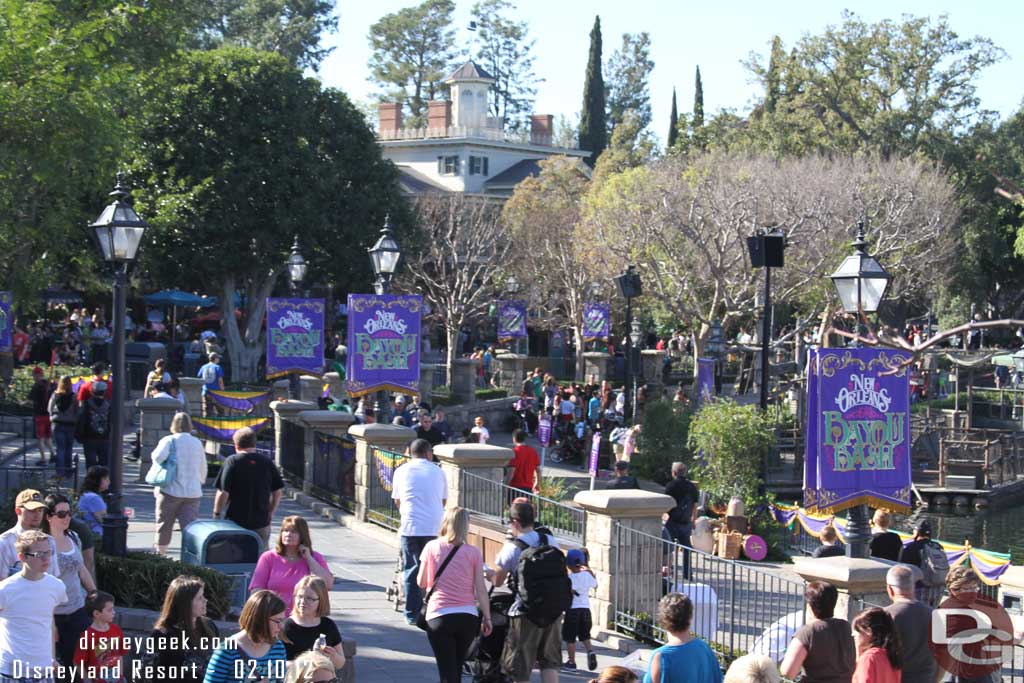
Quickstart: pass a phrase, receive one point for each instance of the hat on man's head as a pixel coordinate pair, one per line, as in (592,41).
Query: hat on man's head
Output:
(622,465)
(400,399)
(99,388)
(575,558)
(37,370)
(29,499)
(924,527)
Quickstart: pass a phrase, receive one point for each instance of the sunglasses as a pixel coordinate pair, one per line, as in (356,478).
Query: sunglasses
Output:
(63,514)
(41,553)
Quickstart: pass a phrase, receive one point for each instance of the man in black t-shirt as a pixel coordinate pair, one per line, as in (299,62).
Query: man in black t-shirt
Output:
(680,518)
(248,487)
(623,479)
(427,431)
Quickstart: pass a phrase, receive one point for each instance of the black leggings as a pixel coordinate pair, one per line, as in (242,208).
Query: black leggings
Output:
(450,637)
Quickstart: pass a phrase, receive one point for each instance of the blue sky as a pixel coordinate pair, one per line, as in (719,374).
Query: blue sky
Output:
(683,35)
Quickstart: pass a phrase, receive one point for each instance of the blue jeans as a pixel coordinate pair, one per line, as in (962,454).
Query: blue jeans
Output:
(64,438)
(96,453)
(412,547)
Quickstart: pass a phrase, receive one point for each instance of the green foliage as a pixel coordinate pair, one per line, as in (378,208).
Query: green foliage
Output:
(730,443)
(413,49)
(629,68)
(673,123)
(141,579)
(443,396)
(506,51)
(488,394)
(698,102)
(22,380)
(662,441)
(593,129)
(554,488)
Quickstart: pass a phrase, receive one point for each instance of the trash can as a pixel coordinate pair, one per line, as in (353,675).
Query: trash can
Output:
(140,357)
(223,545)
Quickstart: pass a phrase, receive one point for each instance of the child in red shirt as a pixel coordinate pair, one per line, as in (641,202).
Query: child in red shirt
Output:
(100,652)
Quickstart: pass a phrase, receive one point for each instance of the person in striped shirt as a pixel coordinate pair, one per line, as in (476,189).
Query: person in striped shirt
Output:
(256,652)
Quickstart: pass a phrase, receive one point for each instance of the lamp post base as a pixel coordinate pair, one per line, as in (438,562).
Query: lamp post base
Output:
(858,532)
(115,533)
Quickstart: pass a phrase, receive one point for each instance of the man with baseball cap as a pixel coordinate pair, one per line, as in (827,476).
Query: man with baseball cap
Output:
(30,508)
(212,375)
(918,553)
(623,479)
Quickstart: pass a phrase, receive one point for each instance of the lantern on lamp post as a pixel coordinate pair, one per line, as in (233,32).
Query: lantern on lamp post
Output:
(385,256)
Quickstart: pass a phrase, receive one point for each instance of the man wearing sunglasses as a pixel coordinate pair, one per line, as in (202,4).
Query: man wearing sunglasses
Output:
(27,601)
(30,508)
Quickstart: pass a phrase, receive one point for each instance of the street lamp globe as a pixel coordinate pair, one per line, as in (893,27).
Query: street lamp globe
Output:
(385,254)
(715,345)
(860,280)
(296,265)
(635,333)
(512,285)
(119,229)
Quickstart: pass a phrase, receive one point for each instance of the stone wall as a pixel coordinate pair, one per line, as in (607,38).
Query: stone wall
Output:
(497,414)
(155,415)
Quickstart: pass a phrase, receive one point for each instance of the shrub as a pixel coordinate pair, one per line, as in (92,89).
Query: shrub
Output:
(443,396)
(141,580)
(730,443)
(22,381)
(488,394)
(662,440)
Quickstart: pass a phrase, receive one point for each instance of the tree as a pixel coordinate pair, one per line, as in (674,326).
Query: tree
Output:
(291,28)
(238,154)
(698,102)
(506,52)
(629,68)
(550,247)
(593,130)
(630,147)
(684,223)
(413,49)
(462,249)
(673,122)
(732,442)
(771,77)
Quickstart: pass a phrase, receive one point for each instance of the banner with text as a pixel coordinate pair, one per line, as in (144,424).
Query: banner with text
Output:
(511,320)
(6,324)
(862,426)
(596,321)
(705,380)
(384,343)
(295,337)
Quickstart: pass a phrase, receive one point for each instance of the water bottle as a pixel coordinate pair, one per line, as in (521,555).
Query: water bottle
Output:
(321,642)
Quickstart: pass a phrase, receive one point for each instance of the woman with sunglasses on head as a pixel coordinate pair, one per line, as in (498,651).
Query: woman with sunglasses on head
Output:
(310,619)
(70,618)
(256,652)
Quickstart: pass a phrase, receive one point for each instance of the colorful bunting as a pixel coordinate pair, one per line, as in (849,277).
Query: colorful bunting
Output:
(223,428)
(240,400)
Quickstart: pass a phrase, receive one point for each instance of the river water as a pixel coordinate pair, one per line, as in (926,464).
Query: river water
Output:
(1001,531)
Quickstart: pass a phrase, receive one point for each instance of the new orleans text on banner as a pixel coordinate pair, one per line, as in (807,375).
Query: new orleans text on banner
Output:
(596,321)
(295,337)
(858,440)
(384,343)
(511,320)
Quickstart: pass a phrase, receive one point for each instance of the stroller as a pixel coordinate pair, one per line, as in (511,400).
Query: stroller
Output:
(484,657)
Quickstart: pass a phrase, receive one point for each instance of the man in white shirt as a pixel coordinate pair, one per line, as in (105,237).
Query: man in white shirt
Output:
(420,490)
(30,508)
(27,601)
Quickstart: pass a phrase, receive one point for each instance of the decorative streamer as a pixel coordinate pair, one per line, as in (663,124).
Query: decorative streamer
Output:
(386,464)
(240,400)
(222,429)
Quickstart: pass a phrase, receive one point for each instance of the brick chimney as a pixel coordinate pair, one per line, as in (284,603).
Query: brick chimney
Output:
(542,128)
(439,116)
(389,117)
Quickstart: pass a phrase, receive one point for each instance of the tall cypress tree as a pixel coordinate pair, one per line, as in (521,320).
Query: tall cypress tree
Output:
(593,130)
(673,121)
(771,78)
(698,103)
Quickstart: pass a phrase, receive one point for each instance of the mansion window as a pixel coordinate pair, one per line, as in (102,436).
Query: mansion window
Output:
(448,165)
(478,166)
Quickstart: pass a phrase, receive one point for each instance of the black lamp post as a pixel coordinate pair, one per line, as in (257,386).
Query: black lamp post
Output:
(714,347)
(861,282)
(385,256)
(766,250)
(118,231)
(636,338)
(630,286)
(296,276)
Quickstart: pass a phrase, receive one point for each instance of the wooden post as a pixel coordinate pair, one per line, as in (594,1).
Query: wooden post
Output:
(942,462)
(986,473)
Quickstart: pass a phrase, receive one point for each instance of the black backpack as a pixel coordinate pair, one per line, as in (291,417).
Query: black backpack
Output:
(542,581)
(97,423)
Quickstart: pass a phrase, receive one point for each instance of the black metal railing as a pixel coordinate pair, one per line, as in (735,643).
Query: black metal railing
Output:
(380,507)
(293,450)
(492,499)
(334,469)
(738,608)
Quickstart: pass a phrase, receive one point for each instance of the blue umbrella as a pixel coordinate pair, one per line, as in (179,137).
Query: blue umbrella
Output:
(175,297)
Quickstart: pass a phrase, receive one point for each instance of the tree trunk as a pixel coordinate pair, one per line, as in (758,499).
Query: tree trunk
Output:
(245,346)
(452,336)
(581,366)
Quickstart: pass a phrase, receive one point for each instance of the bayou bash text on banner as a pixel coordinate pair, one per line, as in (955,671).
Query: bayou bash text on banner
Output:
(295,337)
(383,343)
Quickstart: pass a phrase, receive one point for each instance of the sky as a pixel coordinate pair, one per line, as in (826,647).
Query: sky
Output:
(717,37)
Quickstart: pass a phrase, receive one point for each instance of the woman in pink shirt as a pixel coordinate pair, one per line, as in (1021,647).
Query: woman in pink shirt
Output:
(879,659)
(280,569)
(455,596)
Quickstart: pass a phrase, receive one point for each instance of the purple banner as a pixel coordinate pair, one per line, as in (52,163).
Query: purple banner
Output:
(705,380)
(6,324)
(863,430)
(295,337)
(595,451)
(596,321)
(544,430)
(384,343)
(811,437)
(511,320)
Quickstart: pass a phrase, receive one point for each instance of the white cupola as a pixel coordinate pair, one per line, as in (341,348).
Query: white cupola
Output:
(470,85)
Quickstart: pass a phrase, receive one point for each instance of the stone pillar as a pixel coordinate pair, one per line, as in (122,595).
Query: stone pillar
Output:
(482,460)
(280,389)
(155,418)
(330,422)
(597,363)
(464,375)
(857,580)
(284,411)
(192,387)
(512,367)
(366,437)
(651,362)
(620,557)
(311,388)
(427,381)
(337,385)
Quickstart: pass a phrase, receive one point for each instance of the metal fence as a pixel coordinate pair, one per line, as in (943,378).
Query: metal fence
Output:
(334,470)
(492,499)
(293,450)
(738,608)
(380,507)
